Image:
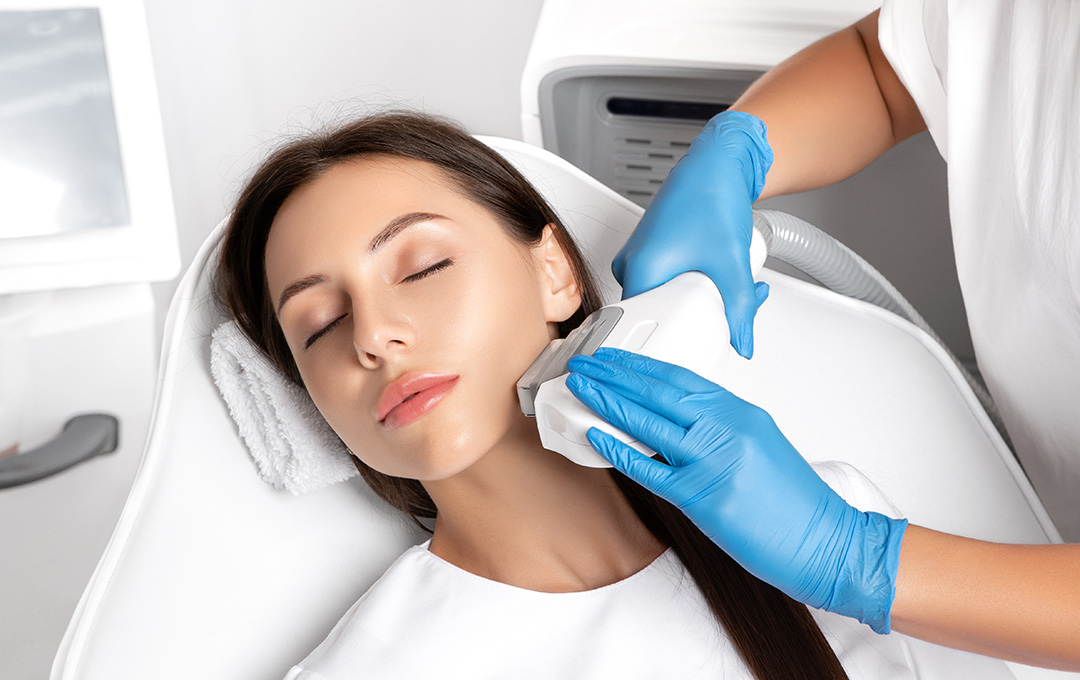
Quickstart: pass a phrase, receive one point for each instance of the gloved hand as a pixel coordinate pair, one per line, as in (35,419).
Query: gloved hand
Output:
(701,219)
(732,472)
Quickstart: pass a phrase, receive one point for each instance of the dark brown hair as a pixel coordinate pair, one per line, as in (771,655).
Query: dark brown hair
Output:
(776,637)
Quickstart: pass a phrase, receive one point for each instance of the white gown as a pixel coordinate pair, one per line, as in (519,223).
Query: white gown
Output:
(426,618)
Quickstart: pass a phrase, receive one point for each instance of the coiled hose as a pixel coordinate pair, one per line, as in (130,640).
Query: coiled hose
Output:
(838,268)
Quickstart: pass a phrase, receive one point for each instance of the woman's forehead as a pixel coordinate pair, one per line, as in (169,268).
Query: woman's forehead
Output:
(373,175)
(366,194)
(359,200)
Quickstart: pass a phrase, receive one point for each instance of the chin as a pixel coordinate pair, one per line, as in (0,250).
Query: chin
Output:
(465,447)
(438,453)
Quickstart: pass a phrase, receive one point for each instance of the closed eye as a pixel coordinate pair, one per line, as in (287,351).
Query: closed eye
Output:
(438,266)
(325,329)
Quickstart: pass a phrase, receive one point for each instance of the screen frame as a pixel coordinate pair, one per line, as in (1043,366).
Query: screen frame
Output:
(145,249)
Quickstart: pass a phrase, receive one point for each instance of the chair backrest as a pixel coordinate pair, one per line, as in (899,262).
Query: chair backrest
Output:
(211,573)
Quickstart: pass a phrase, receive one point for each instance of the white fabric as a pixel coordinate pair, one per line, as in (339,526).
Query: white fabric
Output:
(998,83)
(426,618)
(291,442)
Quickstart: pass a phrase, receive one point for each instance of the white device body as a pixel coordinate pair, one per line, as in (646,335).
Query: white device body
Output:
(681,322)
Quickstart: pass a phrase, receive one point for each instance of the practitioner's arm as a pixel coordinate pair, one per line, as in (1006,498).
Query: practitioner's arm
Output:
(829,110)
(730,470)
(1016,602)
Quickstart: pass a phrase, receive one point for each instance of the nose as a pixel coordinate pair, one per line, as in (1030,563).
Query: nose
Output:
(380,332)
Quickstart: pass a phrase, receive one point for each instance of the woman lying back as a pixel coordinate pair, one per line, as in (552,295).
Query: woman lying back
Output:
(406,275)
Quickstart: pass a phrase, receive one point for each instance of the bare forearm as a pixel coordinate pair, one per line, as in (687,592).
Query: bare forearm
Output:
(1016,602)
(830,110)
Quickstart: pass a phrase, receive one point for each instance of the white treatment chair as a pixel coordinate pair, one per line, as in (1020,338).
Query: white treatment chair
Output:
(213,574)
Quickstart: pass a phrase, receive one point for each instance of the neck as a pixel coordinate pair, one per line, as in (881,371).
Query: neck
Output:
(529,517)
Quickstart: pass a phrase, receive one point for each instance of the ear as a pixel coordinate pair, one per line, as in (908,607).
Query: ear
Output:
(559,290)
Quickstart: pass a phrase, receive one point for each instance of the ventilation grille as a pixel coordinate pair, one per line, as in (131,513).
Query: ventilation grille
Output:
(641,162)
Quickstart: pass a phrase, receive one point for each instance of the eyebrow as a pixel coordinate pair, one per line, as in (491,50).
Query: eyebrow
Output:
(398,225)
(392,229)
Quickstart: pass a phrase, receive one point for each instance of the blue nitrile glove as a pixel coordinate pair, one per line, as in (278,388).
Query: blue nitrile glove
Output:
(701,220)
(732,472)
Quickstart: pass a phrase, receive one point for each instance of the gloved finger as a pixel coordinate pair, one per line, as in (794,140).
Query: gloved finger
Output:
(649,428)
(658,396)
(648,472)
(761,290)
(741,313)
(737,288)
(678,376)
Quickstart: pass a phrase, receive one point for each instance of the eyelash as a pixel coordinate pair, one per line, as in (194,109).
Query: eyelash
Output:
(435,268)
(326,329)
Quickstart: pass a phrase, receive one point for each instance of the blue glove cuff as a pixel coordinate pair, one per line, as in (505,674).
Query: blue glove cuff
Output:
(867,587)
(727,123)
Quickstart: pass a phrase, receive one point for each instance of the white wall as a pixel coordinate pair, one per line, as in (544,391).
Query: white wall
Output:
(234,74)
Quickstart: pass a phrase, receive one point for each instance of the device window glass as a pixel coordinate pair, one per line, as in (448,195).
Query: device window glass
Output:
(60,167)
(655,108)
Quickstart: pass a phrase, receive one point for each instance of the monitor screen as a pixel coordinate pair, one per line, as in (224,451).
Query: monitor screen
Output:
(60,163)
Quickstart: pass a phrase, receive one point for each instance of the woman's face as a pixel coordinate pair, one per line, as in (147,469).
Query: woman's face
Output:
(411,313)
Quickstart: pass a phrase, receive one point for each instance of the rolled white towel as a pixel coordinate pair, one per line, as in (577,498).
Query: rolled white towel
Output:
(291,442)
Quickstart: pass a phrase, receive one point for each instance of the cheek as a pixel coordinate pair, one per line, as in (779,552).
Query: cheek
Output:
(514,334)
(490,312)
(344,404)
(345,395)
(507,330)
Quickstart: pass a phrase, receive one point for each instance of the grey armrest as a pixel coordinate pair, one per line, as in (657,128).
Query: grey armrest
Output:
(82,438)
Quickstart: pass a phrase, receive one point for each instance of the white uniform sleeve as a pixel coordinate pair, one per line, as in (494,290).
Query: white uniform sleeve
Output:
(914,38)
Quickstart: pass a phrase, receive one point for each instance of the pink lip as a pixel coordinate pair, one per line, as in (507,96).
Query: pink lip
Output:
(412,396)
